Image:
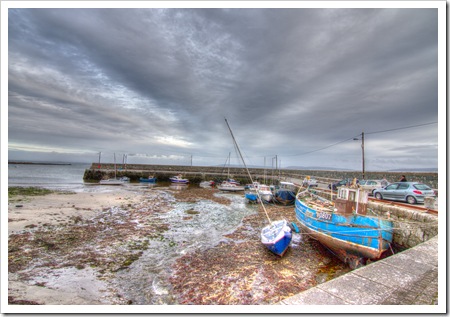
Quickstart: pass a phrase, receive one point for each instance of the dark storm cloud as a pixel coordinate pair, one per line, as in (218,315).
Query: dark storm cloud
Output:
(160,81)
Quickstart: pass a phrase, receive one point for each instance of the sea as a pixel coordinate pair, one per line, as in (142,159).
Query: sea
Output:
(57,175)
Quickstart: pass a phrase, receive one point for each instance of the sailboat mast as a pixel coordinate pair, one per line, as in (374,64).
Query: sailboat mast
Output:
(249,175)
(114,165)
(229,161)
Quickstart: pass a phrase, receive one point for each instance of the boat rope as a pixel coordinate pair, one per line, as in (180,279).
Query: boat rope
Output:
(249,175)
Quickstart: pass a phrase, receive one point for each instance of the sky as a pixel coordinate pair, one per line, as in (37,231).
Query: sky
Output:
(296,85)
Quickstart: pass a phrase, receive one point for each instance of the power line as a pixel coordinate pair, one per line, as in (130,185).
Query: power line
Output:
(320,149)
(412,126)
(328,146)
(323,147)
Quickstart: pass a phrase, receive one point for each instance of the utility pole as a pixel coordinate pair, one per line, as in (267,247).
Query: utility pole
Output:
(362,146)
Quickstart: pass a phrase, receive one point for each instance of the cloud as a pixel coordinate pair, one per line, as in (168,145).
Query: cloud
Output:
(159,82)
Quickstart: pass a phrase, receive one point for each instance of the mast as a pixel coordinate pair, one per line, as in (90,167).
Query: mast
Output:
(114,165)
(249,175)
(265,170)
(229,161)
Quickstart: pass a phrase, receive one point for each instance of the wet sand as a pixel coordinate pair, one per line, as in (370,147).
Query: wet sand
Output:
(72,246)
(62,207)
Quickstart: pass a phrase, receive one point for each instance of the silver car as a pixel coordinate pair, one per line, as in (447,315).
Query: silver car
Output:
(411,192)
(310,182)
(370,185)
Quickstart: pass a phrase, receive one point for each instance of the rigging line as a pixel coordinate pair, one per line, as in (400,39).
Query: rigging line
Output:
(412,126)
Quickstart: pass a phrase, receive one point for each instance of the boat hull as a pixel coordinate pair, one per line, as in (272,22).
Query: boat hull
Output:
(251,196)
(111,182)
(277,237)
(179,181)
(285,197)
(231,188)
(352,237)
(147,179)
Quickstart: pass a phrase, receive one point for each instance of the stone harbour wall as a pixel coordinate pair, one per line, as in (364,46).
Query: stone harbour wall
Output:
(411,227)
(430,179)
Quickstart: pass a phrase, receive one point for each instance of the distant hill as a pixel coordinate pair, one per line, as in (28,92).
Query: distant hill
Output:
(315,168)
(423,170)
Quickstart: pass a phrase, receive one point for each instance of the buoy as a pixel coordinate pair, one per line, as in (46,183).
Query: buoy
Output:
(295,227)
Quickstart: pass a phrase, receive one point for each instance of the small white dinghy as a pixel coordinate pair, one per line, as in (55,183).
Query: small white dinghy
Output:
(112,181)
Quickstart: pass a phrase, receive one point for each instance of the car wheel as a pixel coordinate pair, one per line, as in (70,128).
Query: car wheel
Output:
(378,196)
(411,200)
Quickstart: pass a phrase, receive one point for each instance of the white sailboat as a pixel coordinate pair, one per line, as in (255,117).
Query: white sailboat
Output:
(230,186)
(112,181)
(277,236)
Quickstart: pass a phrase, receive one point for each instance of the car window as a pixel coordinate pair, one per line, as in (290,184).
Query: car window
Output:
(362,182)
(403,186)
(392,187)
(421,187)
(373,183)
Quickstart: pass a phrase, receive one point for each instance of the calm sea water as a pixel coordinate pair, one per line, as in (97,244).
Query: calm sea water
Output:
(49,176)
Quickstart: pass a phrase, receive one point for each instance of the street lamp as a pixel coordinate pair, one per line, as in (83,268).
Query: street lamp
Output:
(362,147)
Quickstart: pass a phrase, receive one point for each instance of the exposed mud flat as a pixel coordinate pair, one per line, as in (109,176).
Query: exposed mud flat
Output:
(105,258)
(246,273)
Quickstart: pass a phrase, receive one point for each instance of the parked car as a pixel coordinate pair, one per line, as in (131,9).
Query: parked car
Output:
(342,183)
(310,182)
(411,192)
(370,185)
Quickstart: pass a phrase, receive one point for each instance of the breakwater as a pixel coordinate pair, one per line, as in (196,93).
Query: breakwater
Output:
(199,173)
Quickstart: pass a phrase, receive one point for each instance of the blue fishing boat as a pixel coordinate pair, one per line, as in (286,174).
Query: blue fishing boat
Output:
(250,192)
(179,179)
(149,179)
(343,226)
(277,236)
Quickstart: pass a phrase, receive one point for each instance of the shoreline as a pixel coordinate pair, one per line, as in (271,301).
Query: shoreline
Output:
(33,163)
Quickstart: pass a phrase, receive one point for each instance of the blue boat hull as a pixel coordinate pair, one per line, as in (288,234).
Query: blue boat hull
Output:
(147,179)
(184,181)
(251,197)
(277,237)
(280,246)
(352,237)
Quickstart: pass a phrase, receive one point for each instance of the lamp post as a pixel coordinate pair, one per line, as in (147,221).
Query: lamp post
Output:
(362,147)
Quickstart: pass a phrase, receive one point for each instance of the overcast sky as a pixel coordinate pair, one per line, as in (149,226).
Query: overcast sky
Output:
(156,84)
